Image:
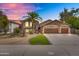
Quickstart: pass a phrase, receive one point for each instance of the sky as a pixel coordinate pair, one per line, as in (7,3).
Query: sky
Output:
(16,11)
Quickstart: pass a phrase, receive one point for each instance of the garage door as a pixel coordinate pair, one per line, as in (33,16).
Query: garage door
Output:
(64,30)
(51,30)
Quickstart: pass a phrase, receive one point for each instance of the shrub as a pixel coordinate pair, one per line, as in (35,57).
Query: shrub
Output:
(39,40)
(17,30)
(30,31)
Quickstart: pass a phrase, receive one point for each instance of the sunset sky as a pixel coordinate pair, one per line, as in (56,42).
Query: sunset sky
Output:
(45,10)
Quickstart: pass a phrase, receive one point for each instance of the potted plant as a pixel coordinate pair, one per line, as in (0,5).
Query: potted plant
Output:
(30,31)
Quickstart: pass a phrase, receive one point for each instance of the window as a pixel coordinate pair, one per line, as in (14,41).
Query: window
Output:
(27,30)
(26,24)
(30,24)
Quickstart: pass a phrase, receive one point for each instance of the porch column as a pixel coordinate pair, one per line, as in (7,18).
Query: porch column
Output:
(69,30)
(59,30)
(43,30)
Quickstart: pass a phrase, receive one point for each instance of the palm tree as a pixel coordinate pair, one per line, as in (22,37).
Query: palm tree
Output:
(66,14)
(32,16)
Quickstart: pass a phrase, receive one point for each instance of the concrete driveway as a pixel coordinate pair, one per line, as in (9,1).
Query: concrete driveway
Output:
(63,39)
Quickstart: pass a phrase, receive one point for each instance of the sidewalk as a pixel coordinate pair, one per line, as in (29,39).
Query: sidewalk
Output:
(16,40)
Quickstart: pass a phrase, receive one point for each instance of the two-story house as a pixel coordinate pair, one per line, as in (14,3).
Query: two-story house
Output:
(31,27)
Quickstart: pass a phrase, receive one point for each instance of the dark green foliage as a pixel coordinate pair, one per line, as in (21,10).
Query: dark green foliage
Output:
(17,30)
(30,31)
(70,17)
(3,22)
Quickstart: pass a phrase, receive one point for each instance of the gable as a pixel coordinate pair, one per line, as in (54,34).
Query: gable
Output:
(54,22)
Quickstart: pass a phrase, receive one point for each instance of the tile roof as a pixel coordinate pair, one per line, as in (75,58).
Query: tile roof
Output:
(52,22)
(16,21)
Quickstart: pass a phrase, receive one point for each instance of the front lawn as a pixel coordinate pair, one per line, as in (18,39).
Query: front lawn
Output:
(39,40)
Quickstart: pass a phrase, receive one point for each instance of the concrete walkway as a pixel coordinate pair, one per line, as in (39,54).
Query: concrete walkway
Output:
(63,39)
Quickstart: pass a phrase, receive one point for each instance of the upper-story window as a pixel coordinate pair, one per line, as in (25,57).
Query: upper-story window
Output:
(28,24)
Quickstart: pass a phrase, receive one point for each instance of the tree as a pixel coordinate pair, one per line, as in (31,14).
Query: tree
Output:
(3,22)
(66,14)
(32,16)
(74,22)
(71,17)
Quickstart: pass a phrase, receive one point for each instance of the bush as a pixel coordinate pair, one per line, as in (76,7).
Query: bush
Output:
(39,40)
(17,30)
(30,31)
(73,22)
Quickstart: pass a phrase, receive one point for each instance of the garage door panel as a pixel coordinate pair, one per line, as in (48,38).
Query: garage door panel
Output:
(51,30)
(64,30)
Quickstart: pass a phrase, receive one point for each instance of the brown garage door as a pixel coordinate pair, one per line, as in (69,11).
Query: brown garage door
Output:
(51,30)
(64,30)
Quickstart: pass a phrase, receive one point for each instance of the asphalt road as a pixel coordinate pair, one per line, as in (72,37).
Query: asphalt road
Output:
(38,50)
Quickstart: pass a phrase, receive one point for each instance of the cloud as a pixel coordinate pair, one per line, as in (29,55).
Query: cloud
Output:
(15,11)
(39,8)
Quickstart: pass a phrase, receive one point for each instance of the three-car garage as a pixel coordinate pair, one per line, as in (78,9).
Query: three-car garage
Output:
(55,26)
(64,29)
